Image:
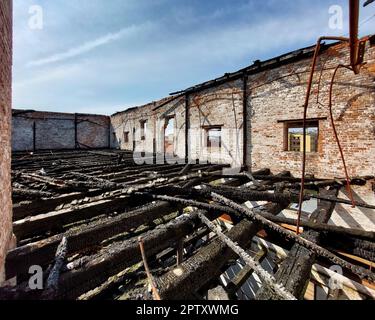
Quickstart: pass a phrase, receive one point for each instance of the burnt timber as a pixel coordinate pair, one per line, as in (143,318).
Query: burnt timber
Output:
(98,207)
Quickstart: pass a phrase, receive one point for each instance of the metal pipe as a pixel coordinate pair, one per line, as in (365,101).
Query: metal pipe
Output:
(354,42)
(308,94)
(348,187)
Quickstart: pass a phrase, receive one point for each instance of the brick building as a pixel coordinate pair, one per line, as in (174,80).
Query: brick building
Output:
(270,96)
(5,124)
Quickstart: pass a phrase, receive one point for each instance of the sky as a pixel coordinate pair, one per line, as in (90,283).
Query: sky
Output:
(104,56)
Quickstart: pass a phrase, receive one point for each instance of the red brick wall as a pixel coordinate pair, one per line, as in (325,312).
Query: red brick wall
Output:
(278,95)
(5,124)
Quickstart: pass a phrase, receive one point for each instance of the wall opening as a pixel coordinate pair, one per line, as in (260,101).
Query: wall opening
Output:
(213,139)
(169,136)
(126,136)
(143,130)
(293,136)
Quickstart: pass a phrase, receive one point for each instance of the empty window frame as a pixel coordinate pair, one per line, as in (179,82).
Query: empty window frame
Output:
(169,135)
(143,130)
(126,136)
(213,138)
(293,137)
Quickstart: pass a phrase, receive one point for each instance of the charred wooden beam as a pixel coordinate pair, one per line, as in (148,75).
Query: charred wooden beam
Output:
(58,219)
(275,286)
(31,194)
(41,253)
(256,216)
(28,208)
(98,268)
(367,235)
(294,272)
(197,271)
(339,200)
(335,231)
(52,285)
(358,247)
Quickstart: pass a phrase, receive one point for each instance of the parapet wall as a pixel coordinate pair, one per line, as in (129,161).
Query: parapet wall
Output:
(35,130)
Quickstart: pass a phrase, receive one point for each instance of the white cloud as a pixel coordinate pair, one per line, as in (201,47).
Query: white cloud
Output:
(87,47)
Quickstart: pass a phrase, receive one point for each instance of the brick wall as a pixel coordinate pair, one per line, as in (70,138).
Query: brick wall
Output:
(157,115)
(5,115)
(54,131)
(217,107)
(220,107)
(278,95)
(274,96)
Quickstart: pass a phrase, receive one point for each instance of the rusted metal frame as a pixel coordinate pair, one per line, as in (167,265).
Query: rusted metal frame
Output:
(353,30)
(355,61)
(306,104)
(254,215)
(348,187)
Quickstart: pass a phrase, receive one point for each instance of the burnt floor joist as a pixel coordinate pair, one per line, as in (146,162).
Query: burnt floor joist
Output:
(100,202)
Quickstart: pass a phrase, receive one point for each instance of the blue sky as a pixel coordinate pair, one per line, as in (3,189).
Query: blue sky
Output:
(103,56)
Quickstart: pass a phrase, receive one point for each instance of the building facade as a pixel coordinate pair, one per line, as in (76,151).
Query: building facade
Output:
(5,129)
(253,117)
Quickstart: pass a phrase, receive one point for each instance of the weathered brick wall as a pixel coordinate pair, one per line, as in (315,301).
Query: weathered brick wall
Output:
(278,95)
(220,106)
(5,116)
(55,131)
(156,115)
